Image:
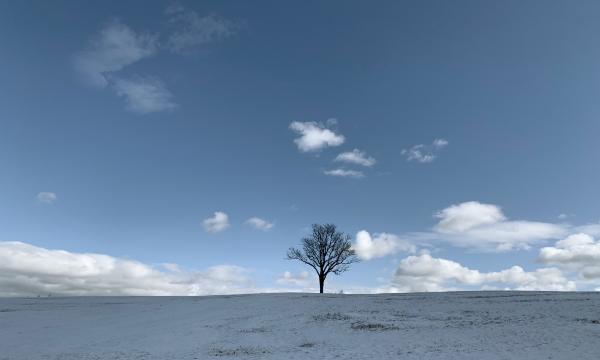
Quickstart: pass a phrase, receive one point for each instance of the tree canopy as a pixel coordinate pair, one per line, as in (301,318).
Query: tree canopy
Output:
(326,250)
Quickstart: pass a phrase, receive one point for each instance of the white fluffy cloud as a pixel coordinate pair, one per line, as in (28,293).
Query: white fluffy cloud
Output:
(192,30)
(468,215)
(368,247)
(116,47)
(356,157)
(27,270)
(314,136)
(144,95)
(425,153)
(219,222)
(578,252)
(260,224)
(426,273)
(46,197)
(473,224)
(345,173)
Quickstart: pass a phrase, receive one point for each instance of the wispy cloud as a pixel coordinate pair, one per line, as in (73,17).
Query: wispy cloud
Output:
(345,173)
(217,223)
(440,143)
(144,95)
(314,136)
(425,153)
(46,197)
(115,47)
(192,30)
(260,224)
(356,157)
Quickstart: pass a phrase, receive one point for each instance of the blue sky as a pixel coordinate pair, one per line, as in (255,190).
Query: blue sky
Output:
(465,136)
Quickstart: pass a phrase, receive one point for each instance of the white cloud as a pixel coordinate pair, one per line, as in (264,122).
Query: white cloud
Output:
(579,252)
(259,223)
(418,153)
(468,215)
(356,157)
(144,95)
(473,224)
(27,270)
(426,273)
(116,47)
(345,173)
(192,30)
(46,197)
(219,222)
(381,244)
(425,153)
(301,279)
(440,143)
(314,137)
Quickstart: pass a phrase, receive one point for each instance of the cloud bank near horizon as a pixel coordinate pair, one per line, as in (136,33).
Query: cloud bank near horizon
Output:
(28,270)
(569,264)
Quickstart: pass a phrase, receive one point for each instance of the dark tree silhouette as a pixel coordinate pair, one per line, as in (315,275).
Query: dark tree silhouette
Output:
(326,250)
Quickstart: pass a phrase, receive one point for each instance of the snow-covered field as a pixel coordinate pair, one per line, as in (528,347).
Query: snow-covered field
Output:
(467,325)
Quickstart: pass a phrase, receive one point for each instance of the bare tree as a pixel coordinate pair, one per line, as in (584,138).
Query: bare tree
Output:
(326,250)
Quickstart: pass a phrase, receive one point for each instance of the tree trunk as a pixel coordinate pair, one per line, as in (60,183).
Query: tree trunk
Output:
(321,283)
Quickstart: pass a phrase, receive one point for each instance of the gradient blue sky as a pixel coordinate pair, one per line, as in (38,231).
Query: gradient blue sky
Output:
(512,86)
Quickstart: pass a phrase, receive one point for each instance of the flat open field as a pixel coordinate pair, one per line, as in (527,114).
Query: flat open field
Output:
(465,325)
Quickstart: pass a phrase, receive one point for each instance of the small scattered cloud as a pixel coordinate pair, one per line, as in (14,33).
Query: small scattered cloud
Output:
(426,273)
(218,223)
(115,47)
(356,157)
(331,122)
(440,143)
(28,270)
(484,226)
(369,247)
(425,153)
(144,95)
(345,173)
(314,136)
(260,224)
(46,197)
(192,30)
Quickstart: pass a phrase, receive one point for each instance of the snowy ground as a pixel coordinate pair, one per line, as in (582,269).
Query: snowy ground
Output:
(468,325)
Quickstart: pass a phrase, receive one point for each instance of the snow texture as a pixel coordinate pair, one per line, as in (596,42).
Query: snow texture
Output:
(461,325)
